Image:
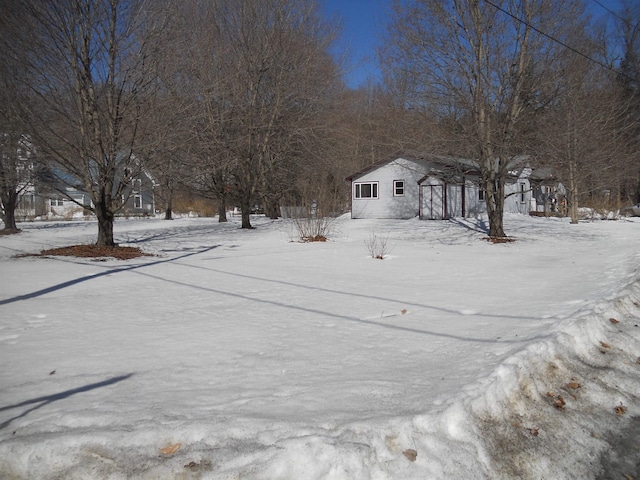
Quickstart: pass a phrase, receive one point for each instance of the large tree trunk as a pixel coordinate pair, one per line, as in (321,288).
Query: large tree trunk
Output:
(496,224)
(495,208)
(168,210)
(222,209)
(105,226)
(245,207)
(10,201)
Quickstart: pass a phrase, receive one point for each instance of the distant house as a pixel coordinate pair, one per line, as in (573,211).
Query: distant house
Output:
(549,194)
(139,194)
(431,187)
(51,198)
(38,201)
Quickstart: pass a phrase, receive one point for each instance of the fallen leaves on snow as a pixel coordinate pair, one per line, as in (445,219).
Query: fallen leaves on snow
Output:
(411,454)
(170,449)
(558,401)
(620,409)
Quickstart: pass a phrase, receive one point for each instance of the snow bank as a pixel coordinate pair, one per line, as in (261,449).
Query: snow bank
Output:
(553,410)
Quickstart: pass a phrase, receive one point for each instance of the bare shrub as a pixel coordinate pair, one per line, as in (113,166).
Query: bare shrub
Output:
(311,228)
(378,247)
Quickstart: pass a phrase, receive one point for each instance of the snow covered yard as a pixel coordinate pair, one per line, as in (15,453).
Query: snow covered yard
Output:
(257,357)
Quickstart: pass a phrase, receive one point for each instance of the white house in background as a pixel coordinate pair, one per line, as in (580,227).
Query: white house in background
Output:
(430,187)
(38,202)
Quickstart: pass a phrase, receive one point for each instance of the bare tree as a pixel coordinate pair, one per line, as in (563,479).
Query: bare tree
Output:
(90,78)
(16,150)
(18,170)
(485,65)
(259,76)
(578,134)
(628,87)
(590,131)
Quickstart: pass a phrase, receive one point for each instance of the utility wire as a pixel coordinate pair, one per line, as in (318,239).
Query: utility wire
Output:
(553,39)
(611,12)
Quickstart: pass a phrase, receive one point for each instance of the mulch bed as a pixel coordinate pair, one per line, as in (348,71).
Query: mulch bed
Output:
(92,251)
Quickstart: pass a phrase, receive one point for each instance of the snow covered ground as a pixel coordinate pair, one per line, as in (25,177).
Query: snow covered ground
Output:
(243,354)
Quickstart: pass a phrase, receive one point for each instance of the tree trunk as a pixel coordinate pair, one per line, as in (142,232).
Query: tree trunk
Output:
(245,207)
(168,211)
(105,226)
(272,208)
(222,210)
(496,220)
(495,206)
(10,201)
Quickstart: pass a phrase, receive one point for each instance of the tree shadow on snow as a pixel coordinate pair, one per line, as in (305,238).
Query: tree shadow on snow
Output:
(76,281)
(475,225)
(366,321)
(46,400)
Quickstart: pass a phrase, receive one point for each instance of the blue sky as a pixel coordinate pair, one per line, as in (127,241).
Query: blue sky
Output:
(362,21)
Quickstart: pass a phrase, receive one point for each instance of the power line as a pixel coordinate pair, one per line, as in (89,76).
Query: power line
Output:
(553,39)
(611,12)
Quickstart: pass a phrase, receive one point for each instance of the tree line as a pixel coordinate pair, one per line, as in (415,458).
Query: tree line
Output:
(243,102)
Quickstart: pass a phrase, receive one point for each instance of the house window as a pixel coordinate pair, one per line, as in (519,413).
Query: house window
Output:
(482,194)
(398,188)
(137,201)
(57,202)
(137,185)
(366,190)
(523,191)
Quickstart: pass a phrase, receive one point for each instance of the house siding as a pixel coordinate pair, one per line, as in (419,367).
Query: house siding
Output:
(387,205)
(518,196)
(473,205)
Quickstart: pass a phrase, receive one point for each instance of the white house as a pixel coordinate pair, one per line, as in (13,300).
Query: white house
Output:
(431,187)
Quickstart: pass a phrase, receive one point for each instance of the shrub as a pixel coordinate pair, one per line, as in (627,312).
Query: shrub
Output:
(313,229)
(378,247)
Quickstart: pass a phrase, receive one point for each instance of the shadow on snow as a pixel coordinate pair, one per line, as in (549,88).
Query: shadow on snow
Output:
(46,400)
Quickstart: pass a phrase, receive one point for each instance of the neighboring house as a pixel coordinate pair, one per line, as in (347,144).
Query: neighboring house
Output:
(55,200)
(39,202)
(548,193)
(139,195)
(431,187)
